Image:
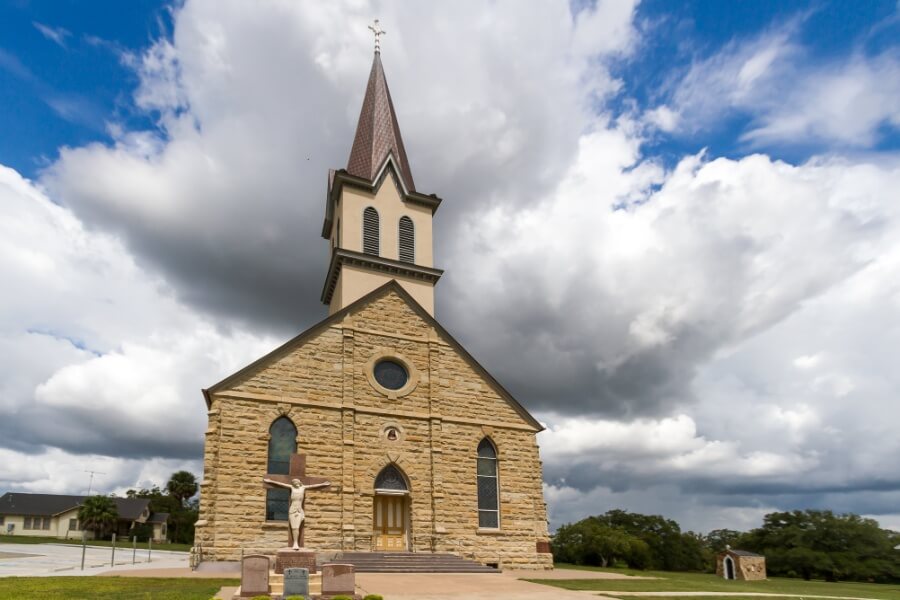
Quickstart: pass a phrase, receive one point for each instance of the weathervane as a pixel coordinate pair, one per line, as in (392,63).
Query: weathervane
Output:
(378,31)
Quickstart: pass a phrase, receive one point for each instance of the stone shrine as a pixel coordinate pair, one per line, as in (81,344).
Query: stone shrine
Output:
(424,450)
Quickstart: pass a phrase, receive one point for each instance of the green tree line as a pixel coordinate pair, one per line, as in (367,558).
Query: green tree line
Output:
(812,544)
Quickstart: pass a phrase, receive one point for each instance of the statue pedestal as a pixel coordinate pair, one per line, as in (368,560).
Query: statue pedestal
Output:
(288,557)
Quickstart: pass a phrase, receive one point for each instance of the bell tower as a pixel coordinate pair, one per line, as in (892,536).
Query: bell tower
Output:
(378,225)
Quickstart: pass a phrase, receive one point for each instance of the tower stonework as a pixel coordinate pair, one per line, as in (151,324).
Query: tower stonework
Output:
(424,449)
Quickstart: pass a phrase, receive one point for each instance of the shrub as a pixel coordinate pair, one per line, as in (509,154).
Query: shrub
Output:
(341,597)
(373,597)
(294,598)
(260,598)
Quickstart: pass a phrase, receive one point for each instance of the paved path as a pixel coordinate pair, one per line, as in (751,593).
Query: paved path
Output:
(43,560)
(474,586)
(754,594)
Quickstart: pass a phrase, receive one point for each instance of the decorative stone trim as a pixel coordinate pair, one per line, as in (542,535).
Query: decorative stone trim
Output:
(385,429)
(387,353)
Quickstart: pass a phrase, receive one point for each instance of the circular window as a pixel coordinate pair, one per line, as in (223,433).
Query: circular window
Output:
(390,375)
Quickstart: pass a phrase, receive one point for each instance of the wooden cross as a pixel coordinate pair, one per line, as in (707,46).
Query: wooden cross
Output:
(296,470)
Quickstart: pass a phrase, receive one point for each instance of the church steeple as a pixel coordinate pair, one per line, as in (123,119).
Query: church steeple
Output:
(378,232)
(378,133)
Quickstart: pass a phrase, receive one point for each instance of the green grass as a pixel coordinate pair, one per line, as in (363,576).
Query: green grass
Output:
(110,588)
(27,539)
(701,582)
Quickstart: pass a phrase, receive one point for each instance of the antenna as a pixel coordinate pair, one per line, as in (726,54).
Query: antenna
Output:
(91,482)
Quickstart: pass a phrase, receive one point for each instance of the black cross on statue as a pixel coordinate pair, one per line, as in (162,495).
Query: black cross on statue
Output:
(296,471)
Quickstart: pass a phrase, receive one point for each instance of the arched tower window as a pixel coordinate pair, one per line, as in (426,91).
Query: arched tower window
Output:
(282,443)
(371,244)
(488,486)
(407,237)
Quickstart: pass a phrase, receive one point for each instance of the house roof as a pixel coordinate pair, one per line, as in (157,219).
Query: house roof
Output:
(158,518)
(742,553)
(378,132)
(394,286)
(48,505)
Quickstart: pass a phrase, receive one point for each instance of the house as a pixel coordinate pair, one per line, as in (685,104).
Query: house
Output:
(740,564)
(53,515)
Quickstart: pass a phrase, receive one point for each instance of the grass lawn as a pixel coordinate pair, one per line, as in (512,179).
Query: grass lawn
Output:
(110,588)
(27,539)
(701,582)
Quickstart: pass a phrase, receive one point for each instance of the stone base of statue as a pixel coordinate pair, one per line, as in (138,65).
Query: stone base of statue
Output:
(287,558)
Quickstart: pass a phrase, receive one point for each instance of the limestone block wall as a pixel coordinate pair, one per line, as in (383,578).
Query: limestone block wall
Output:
(746,568)
(324,386)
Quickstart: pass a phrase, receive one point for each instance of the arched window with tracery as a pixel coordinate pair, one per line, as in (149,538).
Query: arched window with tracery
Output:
(488,486)
(407,237)
(371,243)
(391,479)
(282,443)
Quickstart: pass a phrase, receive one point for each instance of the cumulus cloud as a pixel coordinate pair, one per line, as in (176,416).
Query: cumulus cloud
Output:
(99,355)
(703,340)
(253,108)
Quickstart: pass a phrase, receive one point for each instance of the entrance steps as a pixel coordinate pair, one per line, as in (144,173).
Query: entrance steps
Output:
(410,562)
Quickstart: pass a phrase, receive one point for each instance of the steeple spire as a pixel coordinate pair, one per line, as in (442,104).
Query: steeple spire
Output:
(377,132)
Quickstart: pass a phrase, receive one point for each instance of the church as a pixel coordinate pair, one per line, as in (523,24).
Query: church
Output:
(422,449)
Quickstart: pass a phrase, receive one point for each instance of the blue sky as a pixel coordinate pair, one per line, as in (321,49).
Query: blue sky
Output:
(64,74)
(710,339)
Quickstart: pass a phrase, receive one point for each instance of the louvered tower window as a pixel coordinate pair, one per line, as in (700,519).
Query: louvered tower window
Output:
(488,486)
(370,231)
(407,240)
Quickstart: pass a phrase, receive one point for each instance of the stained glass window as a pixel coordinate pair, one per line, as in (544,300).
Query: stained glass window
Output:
(390,478)
(282,443)
(391,374)
(488,486)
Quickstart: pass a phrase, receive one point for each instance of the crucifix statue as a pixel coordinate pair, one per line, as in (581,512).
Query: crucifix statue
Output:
(378,31)
(296,481)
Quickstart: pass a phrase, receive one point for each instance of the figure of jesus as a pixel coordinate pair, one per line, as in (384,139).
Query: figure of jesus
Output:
(296,516)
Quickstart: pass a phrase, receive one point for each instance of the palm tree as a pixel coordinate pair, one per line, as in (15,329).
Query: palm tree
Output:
(182,485)
(97,513)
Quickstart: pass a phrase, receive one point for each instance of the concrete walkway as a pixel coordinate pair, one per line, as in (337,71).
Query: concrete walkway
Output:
(717,594)
(47,560)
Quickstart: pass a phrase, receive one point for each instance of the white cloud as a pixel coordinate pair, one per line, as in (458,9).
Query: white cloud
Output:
(790,98)
(101,360)
(57,35)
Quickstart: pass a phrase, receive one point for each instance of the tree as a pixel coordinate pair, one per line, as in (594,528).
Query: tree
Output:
(820,544)
(182,485)
(98,514)
(718,540)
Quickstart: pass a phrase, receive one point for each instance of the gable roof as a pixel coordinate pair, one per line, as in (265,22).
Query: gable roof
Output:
(742,553)
(394,286)
(48,505)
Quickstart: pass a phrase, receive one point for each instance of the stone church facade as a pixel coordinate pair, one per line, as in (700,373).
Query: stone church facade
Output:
(424,450)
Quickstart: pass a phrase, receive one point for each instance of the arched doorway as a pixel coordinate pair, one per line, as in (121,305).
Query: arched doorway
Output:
(391,511)
(728,564)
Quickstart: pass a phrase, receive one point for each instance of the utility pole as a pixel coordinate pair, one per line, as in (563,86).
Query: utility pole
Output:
(91,482)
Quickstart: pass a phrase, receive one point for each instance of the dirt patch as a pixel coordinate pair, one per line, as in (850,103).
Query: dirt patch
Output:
(8,555)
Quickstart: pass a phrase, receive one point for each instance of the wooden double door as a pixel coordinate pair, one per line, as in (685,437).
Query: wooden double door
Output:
(391,523)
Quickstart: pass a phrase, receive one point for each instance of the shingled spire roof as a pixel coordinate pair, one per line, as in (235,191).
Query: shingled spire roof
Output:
(378,133)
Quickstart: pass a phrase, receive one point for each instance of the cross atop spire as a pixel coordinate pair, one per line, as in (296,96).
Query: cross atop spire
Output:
(378,31)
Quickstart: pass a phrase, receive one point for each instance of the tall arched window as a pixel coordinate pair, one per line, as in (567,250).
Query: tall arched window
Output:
(282,443)
(407,237)
(371,244)
(488,486)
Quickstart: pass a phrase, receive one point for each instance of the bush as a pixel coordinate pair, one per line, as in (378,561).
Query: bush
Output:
(373,597)
(341,597)
(260,598)
(294,598)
